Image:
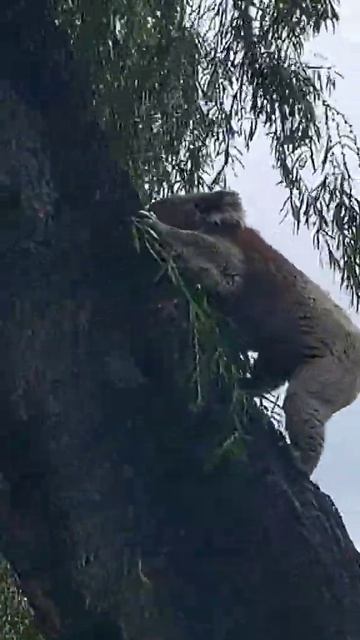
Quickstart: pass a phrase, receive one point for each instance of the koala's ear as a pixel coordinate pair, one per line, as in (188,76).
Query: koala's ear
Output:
(222,209)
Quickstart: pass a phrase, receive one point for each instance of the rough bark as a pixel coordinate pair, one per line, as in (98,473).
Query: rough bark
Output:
(109,515)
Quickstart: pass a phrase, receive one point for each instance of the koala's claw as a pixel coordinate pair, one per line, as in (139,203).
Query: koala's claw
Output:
(144,215)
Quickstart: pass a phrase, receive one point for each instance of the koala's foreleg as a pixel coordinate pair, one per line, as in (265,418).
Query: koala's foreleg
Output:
(317,390)
(213,262)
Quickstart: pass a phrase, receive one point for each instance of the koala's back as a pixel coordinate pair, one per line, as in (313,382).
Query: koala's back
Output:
(283,312)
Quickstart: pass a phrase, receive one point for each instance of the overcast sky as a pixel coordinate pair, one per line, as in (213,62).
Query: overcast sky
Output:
(339,471)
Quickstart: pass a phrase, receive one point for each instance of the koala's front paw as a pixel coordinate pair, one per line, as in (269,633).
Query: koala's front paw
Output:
(145,216)
(148,219)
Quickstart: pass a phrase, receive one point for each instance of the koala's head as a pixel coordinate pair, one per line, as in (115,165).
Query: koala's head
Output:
(206,212)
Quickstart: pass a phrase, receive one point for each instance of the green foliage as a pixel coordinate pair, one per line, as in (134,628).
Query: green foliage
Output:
(144,60)
(15,614)
(184,86)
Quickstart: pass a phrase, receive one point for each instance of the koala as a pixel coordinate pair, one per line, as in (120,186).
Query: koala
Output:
(301,336)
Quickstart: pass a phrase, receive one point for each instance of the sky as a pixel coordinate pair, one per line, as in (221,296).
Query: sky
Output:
(338,473)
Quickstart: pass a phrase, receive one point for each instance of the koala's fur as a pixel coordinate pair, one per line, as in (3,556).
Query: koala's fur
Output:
(300,334)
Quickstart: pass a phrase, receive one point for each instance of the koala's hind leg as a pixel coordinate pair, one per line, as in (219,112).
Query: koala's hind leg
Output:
(214,263)
(318,389)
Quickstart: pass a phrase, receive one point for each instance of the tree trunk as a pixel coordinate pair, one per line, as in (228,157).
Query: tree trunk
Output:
(109,516)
